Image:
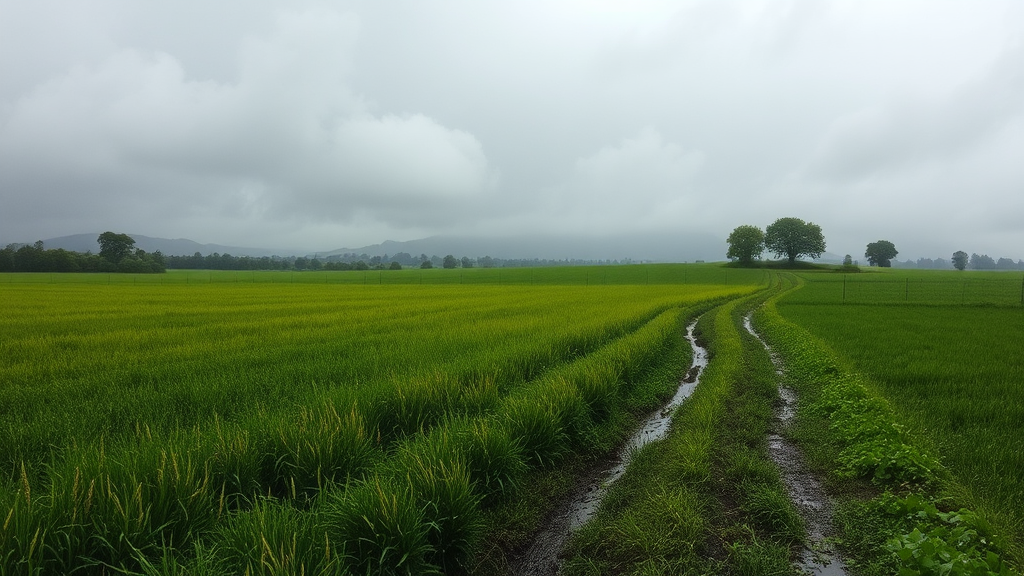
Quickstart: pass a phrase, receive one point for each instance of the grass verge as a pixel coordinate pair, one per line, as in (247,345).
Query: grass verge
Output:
(896,513)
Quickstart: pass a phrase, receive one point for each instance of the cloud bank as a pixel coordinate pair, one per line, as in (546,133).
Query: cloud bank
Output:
(322,125)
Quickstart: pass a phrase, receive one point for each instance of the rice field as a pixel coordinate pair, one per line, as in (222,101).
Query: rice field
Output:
(226,423)
(947,358)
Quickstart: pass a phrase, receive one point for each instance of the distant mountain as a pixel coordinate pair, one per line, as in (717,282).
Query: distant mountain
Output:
(660,247)
(177,247)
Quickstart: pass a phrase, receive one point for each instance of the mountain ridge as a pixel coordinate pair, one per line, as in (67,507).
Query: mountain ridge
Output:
(657,247)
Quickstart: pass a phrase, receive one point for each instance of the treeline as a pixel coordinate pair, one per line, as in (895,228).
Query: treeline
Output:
(36,258)
(352,261)
(976,262)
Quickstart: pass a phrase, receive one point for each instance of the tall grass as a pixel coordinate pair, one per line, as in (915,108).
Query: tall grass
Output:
(90,361)
(370,439)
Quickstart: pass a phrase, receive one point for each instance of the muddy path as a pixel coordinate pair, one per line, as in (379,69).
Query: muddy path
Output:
(541,558)
(803,487)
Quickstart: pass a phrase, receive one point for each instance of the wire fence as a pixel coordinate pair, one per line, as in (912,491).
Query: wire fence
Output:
(966,291)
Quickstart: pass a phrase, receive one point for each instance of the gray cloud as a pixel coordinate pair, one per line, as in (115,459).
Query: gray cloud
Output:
(328,124)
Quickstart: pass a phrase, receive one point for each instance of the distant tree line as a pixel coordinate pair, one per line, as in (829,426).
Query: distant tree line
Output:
(353,261)
(973,262)
(117,254)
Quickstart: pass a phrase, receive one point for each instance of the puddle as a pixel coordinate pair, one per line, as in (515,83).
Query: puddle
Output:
(803,487)
(541,558)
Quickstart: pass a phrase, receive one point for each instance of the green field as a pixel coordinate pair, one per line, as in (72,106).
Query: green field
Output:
(949,362)
(158,419)
(640,274)
(422,421)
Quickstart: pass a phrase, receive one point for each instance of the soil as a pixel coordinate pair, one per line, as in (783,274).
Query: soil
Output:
(541,557)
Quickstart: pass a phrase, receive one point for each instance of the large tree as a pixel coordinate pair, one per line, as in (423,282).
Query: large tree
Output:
(746,243)
(115,247)
(792,238)
(959,259)
(881,253)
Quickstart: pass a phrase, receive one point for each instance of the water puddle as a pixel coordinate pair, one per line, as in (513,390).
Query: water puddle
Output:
(803,487)
(541,558)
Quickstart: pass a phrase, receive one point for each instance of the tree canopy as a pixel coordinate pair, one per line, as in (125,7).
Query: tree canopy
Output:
(959,259)
(792,238)
(115,247)
(746,243)
(881,253)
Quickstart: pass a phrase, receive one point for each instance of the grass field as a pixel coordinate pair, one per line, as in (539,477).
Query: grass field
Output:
(321,423)
(948,361)
(887,286)
(169,424)
(636,274)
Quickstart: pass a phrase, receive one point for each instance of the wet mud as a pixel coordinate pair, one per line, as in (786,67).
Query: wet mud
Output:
(803,487)
(541,558)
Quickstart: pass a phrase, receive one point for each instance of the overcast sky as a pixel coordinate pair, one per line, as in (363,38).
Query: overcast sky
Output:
(318,125)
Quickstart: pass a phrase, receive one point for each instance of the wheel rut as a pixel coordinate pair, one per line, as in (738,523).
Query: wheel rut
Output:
(541,557)
(803,486)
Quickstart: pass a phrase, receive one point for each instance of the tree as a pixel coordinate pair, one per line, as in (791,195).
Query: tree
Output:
(395,266)
(847,260)
(466,262)
(115,247)
(982,262)
(426,264)
(450,262)
(746,243)
(792,238)
(881,253)
(959,259)
(1006,264)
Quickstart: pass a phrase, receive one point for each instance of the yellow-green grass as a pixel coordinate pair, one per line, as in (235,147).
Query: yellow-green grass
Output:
(140,418)
(952,372)
(633,274)
(86,360)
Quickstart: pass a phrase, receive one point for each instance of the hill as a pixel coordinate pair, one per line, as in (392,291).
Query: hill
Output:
(660,247)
